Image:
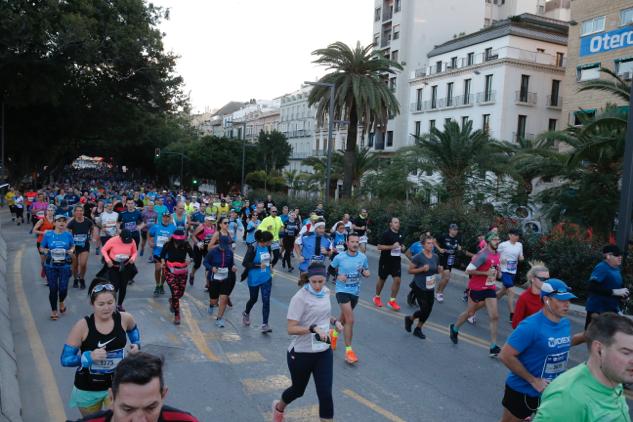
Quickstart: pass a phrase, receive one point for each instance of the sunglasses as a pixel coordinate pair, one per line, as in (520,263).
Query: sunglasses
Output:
(102,287)
(542,278)
(224,222)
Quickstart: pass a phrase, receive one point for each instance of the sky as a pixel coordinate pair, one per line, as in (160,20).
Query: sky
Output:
(235,50)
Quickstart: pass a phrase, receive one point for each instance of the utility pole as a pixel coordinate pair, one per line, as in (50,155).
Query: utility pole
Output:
(2,140)
(626,193)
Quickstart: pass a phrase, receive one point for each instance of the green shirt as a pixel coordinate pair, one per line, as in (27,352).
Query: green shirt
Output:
(577,396)
(273,225)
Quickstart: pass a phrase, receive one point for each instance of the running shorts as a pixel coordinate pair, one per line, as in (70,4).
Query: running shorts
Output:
(508,279)
(481,295)
(520,405)
(217,288)
(445,263)
(347,297)
(389,267)
(85,248)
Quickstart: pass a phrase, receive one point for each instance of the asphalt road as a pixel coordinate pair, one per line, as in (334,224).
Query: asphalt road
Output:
(234,373)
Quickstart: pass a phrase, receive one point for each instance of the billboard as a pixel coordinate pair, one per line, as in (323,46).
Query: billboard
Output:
(606,41)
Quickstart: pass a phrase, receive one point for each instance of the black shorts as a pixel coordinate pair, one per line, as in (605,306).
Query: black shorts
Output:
(444,262)
(520,405)
(81,249)
(217,288)
(481,295)
(156,259)
(144,234)
(389,267)
(347,297)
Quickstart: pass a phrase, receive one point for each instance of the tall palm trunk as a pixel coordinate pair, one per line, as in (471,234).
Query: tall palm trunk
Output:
(350,152)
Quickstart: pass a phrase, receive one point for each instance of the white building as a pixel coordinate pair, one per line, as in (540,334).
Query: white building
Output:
(506,78)
(407,30)
(297,122)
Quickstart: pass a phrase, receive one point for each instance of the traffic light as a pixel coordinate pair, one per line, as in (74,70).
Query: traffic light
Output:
(156,152)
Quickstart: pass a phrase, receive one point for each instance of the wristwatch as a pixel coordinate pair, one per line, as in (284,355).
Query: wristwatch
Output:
(312,327)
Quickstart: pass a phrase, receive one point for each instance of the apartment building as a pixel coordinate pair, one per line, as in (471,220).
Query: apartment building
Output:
(601,35)
(505,78)
(407,30)
(253,116)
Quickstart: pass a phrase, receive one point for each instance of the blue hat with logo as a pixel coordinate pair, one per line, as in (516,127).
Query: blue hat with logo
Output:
(557,289)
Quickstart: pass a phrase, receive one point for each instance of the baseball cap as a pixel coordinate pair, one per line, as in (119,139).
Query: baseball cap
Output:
(612,249)
(557,289)
(179,235)
(209,218)
(166,214)
(126,236)
(60,216)
(491,235)
(453,226)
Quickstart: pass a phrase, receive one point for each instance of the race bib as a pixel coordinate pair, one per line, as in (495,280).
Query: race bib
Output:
(265,258)
(554,365)
(130,225)
(107,365)
(430,281)
(450,260)
(511,266)
(221,274)
(58,255)
(396,252)
(274,246)
(39,215)
(318,259)
(362,239)
(80,239)
(319,346)
(161,240)
(353,279)
(490,281)
(340,248)
(110,229)
(121,257)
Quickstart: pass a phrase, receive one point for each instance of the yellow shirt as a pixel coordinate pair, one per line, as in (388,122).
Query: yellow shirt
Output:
(273,225)
(9,197)
(190,209)
(224,210)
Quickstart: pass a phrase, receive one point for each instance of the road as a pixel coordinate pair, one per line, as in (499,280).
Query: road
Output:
(234,373)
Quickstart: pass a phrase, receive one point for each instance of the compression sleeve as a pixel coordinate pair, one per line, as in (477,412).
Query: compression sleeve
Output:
(70,356)
(86,359)
(134,335)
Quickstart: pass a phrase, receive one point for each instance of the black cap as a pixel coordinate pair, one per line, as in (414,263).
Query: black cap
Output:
(612,249)
(126,236)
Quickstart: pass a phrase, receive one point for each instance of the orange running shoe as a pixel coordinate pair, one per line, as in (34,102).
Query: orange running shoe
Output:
(393,305)
(350,357)
(377,301)
(333,338)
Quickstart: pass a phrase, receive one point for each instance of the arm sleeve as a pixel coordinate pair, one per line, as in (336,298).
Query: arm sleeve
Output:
(335,262)
(106,249)
(44,244)
(70,356)
(478,260)
(134,250)
(134,335)
(598,275)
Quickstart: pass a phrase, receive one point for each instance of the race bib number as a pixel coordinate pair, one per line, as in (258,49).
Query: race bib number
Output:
(340,248)
(121,257)
(430,281)
(511,266)
(107,365)
(110,229)
(554,365)
(317,259)
(161,240)
(352,279)
(319,346)
(274,246)
(265,259)
(58,255)
(130,225)
(39,215)
(396,252)
(450,260)
(490,281)
(221,274)
(80,239)
(362,239)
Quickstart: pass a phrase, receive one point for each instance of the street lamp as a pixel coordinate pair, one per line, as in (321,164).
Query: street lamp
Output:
(626,193)
(330,130)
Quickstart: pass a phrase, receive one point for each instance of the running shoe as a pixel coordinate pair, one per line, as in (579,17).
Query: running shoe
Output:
(177,319)
(494,351)
(393,305)
(191,277)
(43,273)
(291,269)
(246,319)
(171,307)
(151,260)
(417,331)
(210,310)
(277,415)
(439,297)
(266,329)
(411,298)
(129,283)
(377,301)
(156,291)
(465,296)
(333,338)
(453,334)
(219,322)
(228,302)
(62,308)
(408,323)
(472,320)
(82,284)
(142,251)
(350,357)
(76,283)
(161,290)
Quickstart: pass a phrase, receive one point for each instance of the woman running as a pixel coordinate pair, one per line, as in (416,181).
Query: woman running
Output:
(173,257)
(201,237)
(223,235)
(41,227)
(309,353)
(257,269)
(423,266)
(95,345)
(220,270)
(58,246)
(119,254)
(251,228)
(96,217)
(529,301)
(338,245)
(18,204)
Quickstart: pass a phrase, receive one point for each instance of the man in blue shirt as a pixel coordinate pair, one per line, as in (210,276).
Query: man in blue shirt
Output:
(160,234)
(537,352)
(132,220)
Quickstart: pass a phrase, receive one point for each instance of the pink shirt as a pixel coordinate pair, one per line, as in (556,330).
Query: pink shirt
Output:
(115,246)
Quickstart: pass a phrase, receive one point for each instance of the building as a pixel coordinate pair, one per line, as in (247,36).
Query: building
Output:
(601,36)
(298,122)
(406,31)
(251,118)
(506,78)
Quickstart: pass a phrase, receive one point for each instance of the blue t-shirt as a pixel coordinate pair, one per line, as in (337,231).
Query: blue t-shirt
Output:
(234,227)
(309,250)
(284,218)
(543,347)
(130,220)
(56,243)
(71,198)
(198,217)
(161,235)
(351,267)
(610,278)
(159,210)
(415,248)
(338,241)
(257,276)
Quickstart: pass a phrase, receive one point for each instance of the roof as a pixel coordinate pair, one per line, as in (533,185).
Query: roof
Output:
(525,25)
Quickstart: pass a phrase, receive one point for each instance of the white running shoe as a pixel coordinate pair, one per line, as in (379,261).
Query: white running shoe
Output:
(472,320)
(439,297)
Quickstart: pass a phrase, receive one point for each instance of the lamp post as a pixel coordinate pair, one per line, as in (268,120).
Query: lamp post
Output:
(626,193)
(330,130)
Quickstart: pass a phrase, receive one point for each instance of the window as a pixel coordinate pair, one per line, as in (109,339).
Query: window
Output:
(370,140)
(560,59)
(447,121)
(582,115)
(434,96)
(540,50)
(488,88)
(591,26)
(551,125)
(623,66)
(449,94)
(398,5)
(394,55)
(438,66)
(418,99)
(392,83)
(453,62)
(466,91)
(521,124)
(377,14)
(431,124)
(523,93)
(626,16)
(464,120)
(417,128)
(470,59)
(588,72)
(396,33)
(485,123)
(554,100)
(488,55)
(390,138)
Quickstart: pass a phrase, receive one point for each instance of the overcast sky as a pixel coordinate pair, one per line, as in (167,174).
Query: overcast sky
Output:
(234,50)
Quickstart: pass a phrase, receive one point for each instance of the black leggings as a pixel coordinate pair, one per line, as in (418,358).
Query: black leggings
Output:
(320,366)
(425,300)
(198,254)
(120,280)
(276,255)
(288,242)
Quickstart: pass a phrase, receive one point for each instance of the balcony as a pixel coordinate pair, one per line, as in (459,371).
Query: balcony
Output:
(417,107)
(464,100)
(486,97)
(386,41)
(525,98)
(387,15)
(554,102)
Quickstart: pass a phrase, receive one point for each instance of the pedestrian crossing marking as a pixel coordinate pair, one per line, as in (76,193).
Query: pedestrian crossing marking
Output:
(245,357)
(227,336)
(264,385)
(299,414)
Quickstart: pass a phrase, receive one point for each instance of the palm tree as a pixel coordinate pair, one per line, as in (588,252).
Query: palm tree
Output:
(364,161)
(361,94)
(617,87)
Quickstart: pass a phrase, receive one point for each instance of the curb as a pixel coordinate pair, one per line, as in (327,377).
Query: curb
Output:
(10,402)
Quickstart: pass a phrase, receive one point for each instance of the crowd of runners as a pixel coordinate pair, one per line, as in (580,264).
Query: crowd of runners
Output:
(120,223)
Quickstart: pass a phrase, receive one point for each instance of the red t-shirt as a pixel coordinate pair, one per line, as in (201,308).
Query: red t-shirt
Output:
(527,304)
(484,260)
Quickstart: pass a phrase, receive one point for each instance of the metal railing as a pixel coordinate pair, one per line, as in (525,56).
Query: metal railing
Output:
(387,14)
(417,107)
(385,42)
(525,97)
(554,102)
(464,100)
(486,97)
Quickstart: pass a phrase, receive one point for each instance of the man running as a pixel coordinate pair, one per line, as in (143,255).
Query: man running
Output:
(349,266)
(81,229)
(149,219)
(107,221)
(448,246)
(359,225)
(510,253)
(484,271)
(536,352)
(132,220)
(391,247)
(159,235)
(273,225)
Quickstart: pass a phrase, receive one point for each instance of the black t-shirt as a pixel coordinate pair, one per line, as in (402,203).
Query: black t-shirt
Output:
(448,243)
(80,231)
(388,238)
(361,222)
(172,253)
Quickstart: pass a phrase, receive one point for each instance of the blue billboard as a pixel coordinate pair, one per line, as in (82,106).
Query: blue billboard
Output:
(606,41)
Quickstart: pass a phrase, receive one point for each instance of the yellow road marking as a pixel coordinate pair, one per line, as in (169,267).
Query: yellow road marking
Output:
(196,334)
(266,384)
(245,357)
(299,414)
(373,406)
(52,397)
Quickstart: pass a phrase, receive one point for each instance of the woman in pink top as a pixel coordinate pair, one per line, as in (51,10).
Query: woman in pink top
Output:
(119,253)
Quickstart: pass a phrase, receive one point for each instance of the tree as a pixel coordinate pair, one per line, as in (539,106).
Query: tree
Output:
(390,178)
(273,150)
(361,95)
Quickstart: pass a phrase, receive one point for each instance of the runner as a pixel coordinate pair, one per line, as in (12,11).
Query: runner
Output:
(537,352)
(592,391)
(273,225)
(95,216)
(510,252)
(349,266)
(18,207)
(235,226)
(160,208)
(201,238)
(312,247)
(391,247)
(309,353)
(413,250)
(290,231)
(483,269)
(424,267)
(346,223)
(58,246)
(81,229)
(132,220)
(149,219)
(251,228)
(173,256)
(530,302)
(119,254)
(360,226)
(41,227)
(221,270)
(38,208)
(180,219)
(259,274)
(245,215)
(107,222)
(10,198)
(448,246)
(96,354)
(338,244)
(159,235)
